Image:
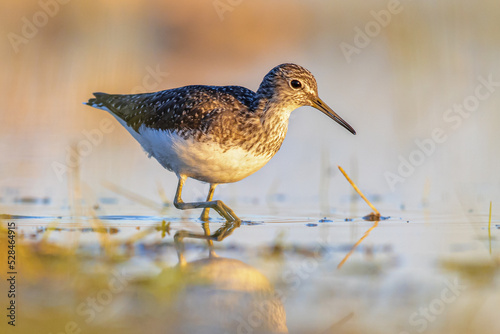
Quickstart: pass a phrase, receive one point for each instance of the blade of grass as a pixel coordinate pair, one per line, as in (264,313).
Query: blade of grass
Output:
(161,192)
(134,197)
(48,230)
(359,191)
(98,226)
(489,226)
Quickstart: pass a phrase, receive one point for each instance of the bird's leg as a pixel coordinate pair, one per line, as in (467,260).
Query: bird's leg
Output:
(218,206)
(210,242)
(204,215)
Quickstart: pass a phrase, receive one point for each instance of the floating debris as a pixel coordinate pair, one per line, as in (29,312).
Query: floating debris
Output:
(250,223)
(373,217)
(164,228)
(102,229)
(33,200)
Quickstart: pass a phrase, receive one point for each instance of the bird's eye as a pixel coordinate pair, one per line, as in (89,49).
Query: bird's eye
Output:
(296,84)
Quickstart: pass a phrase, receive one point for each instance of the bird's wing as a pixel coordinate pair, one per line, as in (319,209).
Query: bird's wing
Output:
(181,109)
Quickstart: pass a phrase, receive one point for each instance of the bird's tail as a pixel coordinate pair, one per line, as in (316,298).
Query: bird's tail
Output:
(130,108)
(100,101)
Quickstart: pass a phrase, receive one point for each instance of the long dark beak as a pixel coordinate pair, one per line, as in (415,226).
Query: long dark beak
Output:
(322,106)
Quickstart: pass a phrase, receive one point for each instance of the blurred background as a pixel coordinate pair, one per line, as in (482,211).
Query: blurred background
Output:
(418,80)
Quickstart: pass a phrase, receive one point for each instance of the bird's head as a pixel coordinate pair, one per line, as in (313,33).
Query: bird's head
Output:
(293,85)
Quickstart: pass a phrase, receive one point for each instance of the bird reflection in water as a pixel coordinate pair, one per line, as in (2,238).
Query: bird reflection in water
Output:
(225,295)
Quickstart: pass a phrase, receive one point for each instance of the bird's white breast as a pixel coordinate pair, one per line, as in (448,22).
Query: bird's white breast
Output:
(202,160)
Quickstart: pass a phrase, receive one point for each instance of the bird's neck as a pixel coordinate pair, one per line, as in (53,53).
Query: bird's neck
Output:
(274,115)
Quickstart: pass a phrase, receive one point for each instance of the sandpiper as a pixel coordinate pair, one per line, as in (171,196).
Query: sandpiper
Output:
(216,134)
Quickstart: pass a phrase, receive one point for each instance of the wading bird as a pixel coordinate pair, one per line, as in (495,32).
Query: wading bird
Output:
(216,134)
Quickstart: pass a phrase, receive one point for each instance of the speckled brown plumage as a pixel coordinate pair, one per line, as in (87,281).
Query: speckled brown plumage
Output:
(229,116)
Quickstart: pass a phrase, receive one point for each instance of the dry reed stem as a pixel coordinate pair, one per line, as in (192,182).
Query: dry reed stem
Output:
(359,191)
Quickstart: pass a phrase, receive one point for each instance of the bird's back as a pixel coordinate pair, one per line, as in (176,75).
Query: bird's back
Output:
(185,110)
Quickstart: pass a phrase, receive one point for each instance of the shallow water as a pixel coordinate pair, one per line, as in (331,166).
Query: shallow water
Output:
(110,265)
(414,272)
